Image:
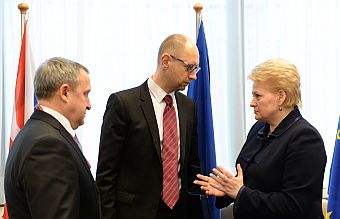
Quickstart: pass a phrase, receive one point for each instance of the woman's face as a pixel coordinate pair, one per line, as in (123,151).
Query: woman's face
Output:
(265,103)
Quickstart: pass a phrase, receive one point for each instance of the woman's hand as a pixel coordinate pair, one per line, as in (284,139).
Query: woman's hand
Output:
(226,182)
(221,182)
(205,182)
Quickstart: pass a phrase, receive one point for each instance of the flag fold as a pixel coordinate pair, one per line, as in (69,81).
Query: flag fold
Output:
(199,91)
(24,99)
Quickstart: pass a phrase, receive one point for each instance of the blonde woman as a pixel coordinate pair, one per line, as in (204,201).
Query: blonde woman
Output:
(281,165)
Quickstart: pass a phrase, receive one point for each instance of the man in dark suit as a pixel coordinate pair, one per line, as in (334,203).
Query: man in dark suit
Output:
(131,166)
(47,175)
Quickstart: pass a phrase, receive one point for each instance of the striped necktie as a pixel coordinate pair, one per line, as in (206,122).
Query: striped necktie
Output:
(170,154)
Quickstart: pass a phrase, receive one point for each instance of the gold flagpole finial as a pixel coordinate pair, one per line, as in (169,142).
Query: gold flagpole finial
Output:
(198,8)
(23,7)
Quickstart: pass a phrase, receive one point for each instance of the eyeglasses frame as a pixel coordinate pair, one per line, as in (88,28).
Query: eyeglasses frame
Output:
(190,67)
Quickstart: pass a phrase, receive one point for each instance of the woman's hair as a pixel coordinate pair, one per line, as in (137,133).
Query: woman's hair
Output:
(279,74)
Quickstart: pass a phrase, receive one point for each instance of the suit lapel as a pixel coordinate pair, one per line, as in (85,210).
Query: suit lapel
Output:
(182,118)
(38,114)
(149,113)
(76,148)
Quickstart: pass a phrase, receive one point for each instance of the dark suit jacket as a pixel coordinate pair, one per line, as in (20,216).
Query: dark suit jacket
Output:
(283,173)
(46,174)
(129,173)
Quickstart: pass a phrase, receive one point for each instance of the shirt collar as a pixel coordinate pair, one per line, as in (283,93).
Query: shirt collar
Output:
(62,119)
(158,92)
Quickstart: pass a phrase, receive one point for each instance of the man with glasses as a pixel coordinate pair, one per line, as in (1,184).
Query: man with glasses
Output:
(148,154)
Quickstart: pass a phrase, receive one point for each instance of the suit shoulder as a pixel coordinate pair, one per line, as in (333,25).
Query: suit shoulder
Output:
(129,91)
(37,134)
(303,124)
(304,131)
(36,139)
(33,130)
(127,94)
(184,98)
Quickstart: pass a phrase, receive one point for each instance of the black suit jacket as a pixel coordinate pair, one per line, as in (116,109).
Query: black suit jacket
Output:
(283,173)
(46,174)
(129,173)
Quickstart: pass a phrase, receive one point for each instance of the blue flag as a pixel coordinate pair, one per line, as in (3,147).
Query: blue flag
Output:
(333,208)
(199,91)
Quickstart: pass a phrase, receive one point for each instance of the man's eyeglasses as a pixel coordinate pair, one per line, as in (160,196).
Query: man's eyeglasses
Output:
(190,67)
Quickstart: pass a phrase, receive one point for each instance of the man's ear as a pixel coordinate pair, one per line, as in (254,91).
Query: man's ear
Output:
(165,59)
(63,92)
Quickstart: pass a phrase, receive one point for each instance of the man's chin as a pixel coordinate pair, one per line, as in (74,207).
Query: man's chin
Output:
(80,123)
(182,87)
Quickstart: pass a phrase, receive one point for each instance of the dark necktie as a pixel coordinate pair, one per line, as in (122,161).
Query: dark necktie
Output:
(75,138)
(170,154)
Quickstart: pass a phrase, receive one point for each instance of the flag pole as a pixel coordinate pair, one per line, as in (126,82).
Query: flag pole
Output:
(22,87)
(198,8)
(204,198)
(23,7)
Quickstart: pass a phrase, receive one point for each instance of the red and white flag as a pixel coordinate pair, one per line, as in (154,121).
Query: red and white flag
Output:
(24,91)
(24,100)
